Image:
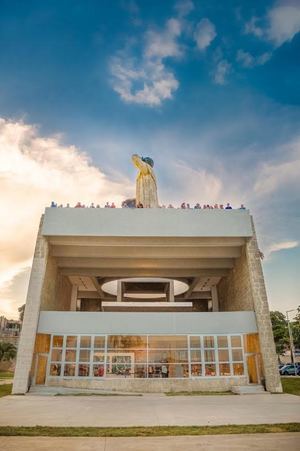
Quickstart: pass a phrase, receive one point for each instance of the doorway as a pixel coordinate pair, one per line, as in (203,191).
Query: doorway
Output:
(252,368)
(41,369)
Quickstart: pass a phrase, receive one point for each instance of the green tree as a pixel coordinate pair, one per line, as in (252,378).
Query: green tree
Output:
(8,351)
(280,331)
(21,311)
(296,329)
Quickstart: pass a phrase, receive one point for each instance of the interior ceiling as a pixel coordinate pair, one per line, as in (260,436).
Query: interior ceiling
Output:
(205,283)
(91,261)
(83,283)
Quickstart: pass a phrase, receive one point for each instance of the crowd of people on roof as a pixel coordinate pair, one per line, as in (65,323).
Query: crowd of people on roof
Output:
(130,203)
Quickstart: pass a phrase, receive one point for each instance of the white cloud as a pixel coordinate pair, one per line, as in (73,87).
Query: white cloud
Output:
(252,27)
(184,7)
(34,171)
(222,69)
(280,25)
(148,85)
(281,246)
(276,175)
(284,23)
(196,185)
(164,44)
(248,60)
(148,81)
(204,34)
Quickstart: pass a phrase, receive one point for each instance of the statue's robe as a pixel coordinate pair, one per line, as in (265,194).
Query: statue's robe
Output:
(146,187)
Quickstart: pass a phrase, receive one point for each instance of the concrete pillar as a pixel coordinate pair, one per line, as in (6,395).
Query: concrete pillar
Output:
(119,291)
(171,291)
(73,304)
(31,315)
(261,308)
(215,300)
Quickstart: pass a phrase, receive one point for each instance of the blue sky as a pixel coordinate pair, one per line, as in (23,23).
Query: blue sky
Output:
(208,89)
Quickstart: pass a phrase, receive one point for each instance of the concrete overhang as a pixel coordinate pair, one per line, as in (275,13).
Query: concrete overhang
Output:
(154,222)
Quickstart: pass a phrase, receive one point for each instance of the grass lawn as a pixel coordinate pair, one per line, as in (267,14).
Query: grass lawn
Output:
(98,394)
(198,393)
(291,385)
(5,390)
(6,374)
(155,431)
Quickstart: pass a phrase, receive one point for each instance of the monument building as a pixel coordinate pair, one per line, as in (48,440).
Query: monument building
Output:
(146,300)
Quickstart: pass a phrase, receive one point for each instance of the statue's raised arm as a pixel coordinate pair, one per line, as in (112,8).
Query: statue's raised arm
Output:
(146,187)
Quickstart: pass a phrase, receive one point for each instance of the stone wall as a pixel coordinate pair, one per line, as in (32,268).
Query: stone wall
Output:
(57,289)
(234,291)
(64,293)
(261,308)
(49,293)
(152,385)
(31,315)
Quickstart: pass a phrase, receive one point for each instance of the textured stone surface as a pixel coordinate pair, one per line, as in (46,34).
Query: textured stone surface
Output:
(31,315)
(261,308)
(152,385)
(234,291)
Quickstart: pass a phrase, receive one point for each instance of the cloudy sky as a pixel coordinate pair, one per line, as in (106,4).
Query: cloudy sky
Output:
(208,89)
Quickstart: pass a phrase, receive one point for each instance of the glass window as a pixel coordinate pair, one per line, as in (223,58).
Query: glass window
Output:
(69,369)
(56,355)
(238,369)
(99,356)
(223,355)
(85,342)
(195,356)
(71,341)
(237,354)
(140,371)
(195,342)
(236,341)
(83,370)
(168,356)
(209,356)
(126,342)
(168,342)
(98,370)
(196,370)
(209,342)
(135,354)
(84,355)
(178,370)
(99,342)
(210,370)
(119,370)
(70,356)
(55,369)
(222,342)
(224,369)
(58,341)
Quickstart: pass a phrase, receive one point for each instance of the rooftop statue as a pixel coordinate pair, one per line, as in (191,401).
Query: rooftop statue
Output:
(146,187)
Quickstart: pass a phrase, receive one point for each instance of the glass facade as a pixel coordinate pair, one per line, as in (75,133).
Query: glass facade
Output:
(146,356)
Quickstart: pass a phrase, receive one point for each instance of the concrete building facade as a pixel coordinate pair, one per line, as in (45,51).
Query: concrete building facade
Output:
(146,300)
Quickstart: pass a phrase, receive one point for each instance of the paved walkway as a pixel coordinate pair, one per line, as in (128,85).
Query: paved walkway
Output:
(247,442)
(148,410)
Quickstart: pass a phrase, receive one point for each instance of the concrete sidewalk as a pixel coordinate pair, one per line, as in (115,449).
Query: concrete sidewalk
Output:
(148,410)
(247,442)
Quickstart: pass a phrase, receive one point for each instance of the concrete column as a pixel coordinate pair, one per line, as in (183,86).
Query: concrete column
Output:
(261,308)
(31,315)
(215,300)
(119,291)
(171,291)
(73,304)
